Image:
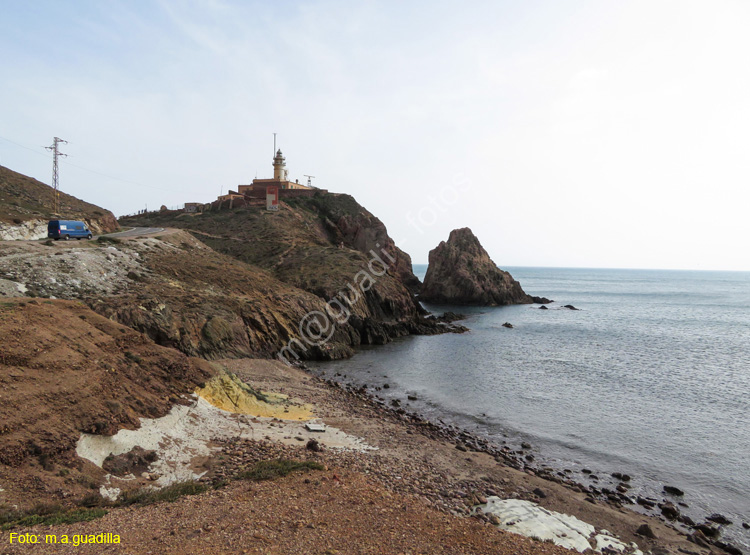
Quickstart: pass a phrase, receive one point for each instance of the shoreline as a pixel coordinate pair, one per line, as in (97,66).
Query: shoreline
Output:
(610,490)
(471,467)
(419,470)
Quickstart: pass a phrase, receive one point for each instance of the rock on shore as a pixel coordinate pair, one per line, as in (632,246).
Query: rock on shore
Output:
(461,272)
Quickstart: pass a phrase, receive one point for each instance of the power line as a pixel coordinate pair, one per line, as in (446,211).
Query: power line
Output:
(26,147)
(118,179)
(87,169)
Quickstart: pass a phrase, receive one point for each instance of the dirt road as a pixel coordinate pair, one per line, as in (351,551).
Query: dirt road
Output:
(137,232)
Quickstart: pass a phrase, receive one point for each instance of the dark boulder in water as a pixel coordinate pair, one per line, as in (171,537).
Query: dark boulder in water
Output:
(541,300)
(687,520)
(449,316)
(708,530)
(571,307)
(671,490)
(648,503)
(669,510)
(719,519)
(543,307)
(508,325)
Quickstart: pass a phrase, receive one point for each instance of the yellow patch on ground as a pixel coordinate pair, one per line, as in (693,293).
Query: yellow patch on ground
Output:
(227,392)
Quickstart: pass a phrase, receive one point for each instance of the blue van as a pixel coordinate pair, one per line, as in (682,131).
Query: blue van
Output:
(63,229)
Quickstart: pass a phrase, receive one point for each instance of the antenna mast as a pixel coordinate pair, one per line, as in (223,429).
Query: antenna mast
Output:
(274,144)
(55,153)
(309,179)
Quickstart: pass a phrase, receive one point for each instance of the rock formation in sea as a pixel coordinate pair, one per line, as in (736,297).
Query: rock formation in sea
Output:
(461,272)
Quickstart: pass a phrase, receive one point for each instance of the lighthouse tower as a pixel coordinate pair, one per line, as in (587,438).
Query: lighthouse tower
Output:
(279,167)
(280,180)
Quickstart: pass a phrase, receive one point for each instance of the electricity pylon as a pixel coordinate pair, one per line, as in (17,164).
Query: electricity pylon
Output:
(55,153)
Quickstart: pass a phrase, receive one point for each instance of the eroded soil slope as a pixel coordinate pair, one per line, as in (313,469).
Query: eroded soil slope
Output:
(65,370)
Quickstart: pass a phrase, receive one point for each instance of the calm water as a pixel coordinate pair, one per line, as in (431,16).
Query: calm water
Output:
(651,378)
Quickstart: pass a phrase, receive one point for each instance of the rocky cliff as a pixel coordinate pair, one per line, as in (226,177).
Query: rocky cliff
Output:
(173,289)
(327,251)
(350,224)
(461,272)
(183,294)
(318,277)
(26,205)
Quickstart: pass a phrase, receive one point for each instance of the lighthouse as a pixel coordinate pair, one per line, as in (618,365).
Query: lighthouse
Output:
(279,167)
(280,179)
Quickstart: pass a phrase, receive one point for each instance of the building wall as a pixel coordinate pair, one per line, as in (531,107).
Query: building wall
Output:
(291,193)
(261,184)
(285,193)
(230,196)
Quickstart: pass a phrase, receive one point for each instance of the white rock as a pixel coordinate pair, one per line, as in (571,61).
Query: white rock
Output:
(109,493)
(10,288)
(530,520)
(25,231)
(187,432)
(605,540)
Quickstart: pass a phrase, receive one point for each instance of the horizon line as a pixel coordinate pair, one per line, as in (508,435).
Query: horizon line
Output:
(609,268)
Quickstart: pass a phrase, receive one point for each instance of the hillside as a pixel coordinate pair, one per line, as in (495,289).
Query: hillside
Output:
(328,246)
(65,370)
(315,232)
(27,204)
(183,294)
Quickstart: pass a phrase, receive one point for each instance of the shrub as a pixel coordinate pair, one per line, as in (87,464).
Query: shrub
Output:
(91,500)
(270,470)
(169,494)
(63,517)
(46,514)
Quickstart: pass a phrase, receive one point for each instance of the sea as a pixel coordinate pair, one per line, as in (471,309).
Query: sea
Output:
(650,378)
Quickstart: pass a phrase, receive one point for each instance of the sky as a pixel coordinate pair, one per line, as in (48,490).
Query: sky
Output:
(563,133)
